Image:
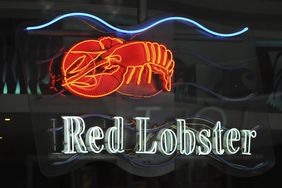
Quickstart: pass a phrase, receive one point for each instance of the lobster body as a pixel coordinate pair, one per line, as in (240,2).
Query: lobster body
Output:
(96,68)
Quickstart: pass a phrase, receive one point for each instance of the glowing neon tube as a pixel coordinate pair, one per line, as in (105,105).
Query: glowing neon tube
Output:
(134,31)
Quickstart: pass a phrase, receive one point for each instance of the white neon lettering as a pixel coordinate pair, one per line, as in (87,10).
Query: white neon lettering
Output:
(230,136)
(167,141)
(93,134)
(247,135)
(73,142)
(186,138)
(141,125)
(114,137)
(217,139)
(205,144)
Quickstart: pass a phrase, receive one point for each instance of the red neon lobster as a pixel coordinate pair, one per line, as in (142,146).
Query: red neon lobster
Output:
(96,68)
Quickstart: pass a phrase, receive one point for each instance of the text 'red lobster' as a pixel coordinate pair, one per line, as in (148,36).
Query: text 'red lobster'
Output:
(96,68)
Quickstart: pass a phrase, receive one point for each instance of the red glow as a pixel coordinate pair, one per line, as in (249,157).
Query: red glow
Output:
(96,68)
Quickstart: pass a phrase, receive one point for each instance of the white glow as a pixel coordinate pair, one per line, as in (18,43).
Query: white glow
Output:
(141,125)
(72,135)
(186,138)
(247,136)
(217,139)
(230,136)
(93,134)
(205,144)
(114,137)
(167,141)
(7,119)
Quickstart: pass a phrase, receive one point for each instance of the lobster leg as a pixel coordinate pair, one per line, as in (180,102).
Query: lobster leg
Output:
(138,82)
(139,75)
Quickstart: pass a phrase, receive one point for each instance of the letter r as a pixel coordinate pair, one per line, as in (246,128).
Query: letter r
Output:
(74,127)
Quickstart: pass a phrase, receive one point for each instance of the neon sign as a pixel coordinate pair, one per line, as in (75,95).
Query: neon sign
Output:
(97,68)
(184,140)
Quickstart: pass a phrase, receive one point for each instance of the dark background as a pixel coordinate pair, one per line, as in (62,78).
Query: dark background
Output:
(18,162)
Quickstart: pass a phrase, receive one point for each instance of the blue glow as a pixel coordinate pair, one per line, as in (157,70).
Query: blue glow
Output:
(134,31)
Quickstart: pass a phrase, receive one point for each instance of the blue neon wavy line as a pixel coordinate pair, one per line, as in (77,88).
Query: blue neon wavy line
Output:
(134,31)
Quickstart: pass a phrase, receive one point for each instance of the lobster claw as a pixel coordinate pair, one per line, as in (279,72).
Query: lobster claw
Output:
(84,76)
(105,83)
